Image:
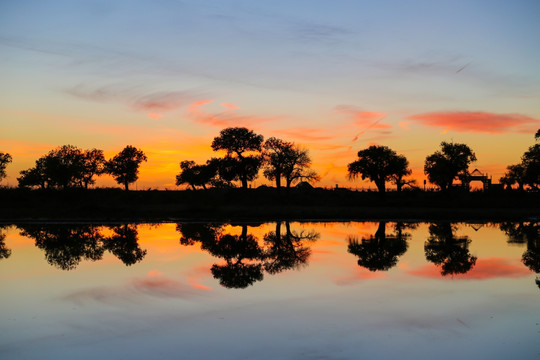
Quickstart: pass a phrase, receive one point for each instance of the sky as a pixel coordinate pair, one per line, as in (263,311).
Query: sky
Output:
(332,76)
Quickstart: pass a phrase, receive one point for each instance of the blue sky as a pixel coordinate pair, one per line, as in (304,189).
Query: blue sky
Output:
(104,74)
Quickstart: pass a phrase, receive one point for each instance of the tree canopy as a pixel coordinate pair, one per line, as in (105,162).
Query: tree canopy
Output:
(124,166)
(284,159)
(379,164)
(5,159)
(64,167)
(527,172)
(451,162)
(238,165)
(196,175)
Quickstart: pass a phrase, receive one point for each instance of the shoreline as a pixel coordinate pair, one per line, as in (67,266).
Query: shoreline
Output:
(262,205)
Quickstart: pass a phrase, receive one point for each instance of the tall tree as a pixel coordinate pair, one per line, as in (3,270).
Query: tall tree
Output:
(452,161)
(5,159)
(93,163)
(276,153)
(284,159)
(124,166)
(238,142)
(378,164)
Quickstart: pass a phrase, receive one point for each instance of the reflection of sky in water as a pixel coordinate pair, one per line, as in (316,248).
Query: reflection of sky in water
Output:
(169,305)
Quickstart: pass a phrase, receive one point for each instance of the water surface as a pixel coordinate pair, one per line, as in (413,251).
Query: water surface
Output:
(270,291)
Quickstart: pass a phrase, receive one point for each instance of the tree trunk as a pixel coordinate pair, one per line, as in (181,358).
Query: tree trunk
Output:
(244,182)
(278,181)
(126,186)
(381,186)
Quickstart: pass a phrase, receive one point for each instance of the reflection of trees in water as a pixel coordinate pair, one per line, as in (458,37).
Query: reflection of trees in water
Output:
(447,250)
(525,233)
(124,244)
(66,245)
(380,252)
(4,251)
(245,259)
(287,251)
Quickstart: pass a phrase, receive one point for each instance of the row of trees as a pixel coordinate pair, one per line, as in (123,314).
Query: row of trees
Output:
(246,153)
(69,166)
(380,164)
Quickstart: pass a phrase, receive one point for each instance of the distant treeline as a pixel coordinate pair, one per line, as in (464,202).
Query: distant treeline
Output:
(282,162)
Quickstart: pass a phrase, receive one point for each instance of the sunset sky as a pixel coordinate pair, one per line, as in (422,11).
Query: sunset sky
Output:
(333,76)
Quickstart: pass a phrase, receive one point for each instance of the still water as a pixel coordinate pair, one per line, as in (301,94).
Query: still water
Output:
(270,291)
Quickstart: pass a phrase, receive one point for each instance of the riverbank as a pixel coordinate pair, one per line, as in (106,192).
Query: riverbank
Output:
(263,204)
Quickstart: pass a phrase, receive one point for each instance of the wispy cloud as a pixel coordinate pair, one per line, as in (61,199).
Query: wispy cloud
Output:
(363,121)
(477,122)
(154,103)
(225,118)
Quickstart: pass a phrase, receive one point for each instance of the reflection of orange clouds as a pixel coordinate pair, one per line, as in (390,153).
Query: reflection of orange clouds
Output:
(469,121)
(489,268)
(360,274)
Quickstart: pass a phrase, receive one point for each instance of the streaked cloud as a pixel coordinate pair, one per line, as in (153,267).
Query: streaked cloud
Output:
(153,103)
(224,118)
(489,268)
(477,122)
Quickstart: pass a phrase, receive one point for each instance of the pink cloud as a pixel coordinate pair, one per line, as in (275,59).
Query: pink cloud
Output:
(362,118)
(469,121)
(230,106)
(155,116)
(489,268)
(225,118)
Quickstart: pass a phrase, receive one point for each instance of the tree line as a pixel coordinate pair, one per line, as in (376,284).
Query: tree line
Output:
(282,162)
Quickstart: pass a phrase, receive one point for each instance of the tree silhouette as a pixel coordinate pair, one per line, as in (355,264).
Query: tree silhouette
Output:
(379,252)
(514,174)
(242,254)
(452,161)
(276,154)
(64,167)
(124,244)
(379,164)
(525,233)
(206,234)
(196,175)
(237,141)
(66,245)
(124,167)
(287,251)
(450,252)
(531,162)
(4,251)
(537,135)
(5,159)
(236,249)
(93,163)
